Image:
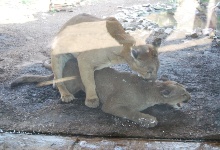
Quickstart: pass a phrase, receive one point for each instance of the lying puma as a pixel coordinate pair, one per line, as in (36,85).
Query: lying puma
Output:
(122,94)
(98,43)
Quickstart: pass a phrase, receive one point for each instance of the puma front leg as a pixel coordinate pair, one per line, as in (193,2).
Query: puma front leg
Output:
(58,62)
(87,77)
(144,120)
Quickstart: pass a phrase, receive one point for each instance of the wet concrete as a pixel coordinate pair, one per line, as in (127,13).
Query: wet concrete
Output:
(31,142)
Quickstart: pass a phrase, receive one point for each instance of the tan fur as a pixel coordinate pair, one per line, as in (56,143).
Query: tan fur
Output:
(124,94)
(98,43)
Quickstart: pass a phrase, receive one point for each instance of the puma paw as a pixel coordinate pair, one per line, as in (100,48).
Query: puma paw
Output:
(67,98)
(148,122)
(92,103)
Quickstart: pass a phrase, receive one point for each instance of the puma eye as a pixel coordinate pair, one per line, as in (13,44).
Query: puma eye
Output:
(134,53)
(185,101)
(155,55)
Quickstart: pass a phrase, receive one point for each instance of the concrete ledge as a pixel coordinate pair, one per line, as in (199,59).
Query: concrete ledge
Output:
(45,142)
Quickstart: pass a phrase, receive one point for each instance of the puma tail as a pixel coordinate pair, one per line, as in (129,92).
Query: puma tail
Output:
(33,79)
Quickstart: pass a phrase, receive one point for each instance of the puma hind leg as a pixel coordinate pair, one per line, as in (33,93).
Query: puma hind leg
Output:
(58,63)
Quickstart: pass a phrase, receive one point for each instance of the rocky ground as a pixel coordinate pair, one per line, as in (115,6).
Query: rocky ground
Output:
(189,57)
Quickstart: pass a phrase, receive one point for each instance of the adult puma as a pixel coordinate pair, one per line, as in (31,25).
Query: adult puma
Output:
(122,94)
(98,43)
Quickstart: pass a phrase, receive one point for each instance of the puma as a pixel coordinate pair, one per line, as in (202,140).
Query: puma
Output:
(98,43)
(122,94)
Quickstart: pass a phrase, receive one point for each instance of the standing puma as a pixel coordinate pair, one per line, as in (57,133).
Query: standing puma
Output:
(98,43)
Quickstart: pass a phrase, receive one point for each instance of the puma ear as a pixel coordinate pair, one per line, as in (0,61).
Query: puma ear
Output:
(134,53)
(157,42)
(165,92)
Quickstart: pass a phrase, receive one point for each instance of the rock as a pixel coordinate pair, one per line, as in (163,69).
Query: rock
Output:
(159,30)
(218,5)
(119,6)
(207,31)
(150,27)
(128,20)
(168,8)
(148,9)
(158,7)
(140,20)
(146,23)
(198,31)
(136,17)
(146,5)
(152,9)
(217,33)
(168,30)
(163,19)
(130,28)
(218,42)
(194,35)
(140,27)
(156,29)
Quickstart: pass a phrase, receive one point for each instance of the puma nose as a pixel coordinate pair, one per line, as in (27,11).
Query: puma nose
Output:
(186,101)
